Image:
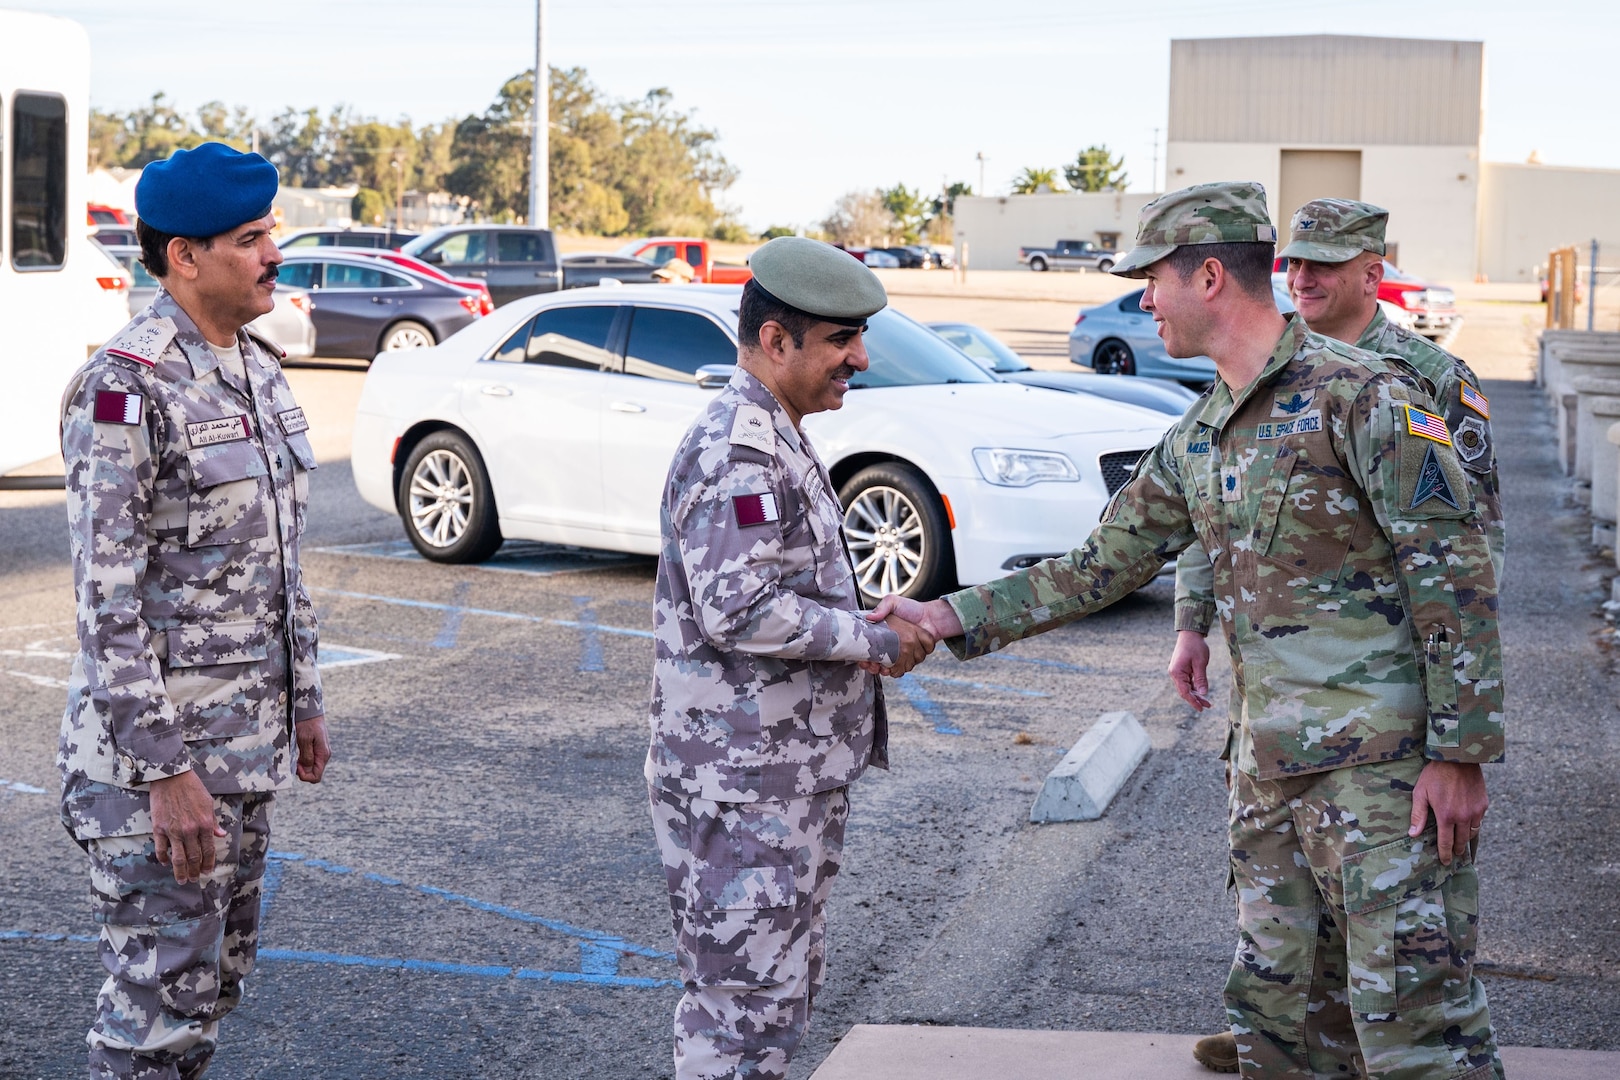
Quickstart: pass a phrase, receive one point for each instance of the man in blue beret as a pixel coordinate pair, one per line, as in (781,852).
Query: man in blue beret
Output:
(194,695)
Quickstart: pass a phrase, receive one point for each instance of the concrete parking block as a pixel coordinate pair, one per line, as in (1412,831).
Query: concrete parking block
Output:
(1090,775)
(915,1052)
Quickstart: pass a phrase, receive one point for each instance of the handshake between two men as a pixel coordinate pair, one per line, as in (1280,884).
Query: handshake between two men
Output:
(920,625)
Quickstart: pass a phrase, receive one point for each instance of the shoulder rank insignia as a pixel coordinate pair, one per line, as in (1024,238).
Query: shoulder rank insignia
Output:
(1476,401)
(1427,425)
(755,509)
(117,407)
(1432,484)
(751,426)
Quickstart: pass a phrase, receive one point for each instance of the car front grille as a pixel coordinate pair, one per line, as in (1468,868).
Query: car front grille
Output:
(1116,467)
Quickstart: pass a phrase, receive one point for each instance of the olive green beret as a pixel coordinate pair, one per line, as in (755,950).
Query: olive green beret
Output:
(1220,213)
(818,279)
(1335,230)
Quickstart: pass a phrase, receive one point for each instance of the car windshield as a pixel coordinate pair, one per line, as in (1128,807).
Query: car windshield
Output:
(982,347)
(905,353)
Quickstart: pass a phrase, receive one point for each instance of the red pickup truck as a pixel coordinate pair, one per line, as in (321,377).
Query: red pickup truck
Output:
(661,249)
(1432,308)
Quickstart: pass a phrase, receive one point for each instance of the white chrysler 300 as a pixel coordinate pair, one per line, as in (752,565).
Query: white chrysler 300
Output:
(555,419)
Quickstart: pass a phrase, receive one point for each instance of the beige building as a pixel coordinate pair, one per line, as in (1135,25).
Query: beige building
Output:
(1393,121)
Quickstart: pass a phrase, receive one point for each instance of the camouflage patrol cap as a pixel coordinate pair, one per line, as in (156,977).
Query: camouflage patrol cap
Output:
(818,279)
(1227,212)
(1335,230)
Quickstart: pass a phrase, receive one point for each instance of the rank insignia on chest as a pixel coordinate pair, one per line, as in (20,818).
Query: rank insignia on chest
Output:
(755,509)
(1231,484)
(1290,404)
(1432,484)
(1427,425)
(1476,401)
(117,407)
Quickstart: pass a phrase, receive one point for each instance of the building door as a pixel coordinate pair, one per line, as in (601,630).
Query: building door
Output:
(1315,174)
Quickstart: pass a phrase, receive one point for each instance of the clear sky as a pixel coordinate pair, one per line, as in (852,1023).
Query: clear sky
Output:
(813,98)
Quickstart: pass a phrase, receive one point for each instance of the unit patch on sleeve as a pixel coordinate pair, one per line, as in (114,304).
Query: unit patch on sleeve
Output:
(117,407)
(1476,401)
(1426,425)
(1432,484)
(292,421)
(755,509)
(1472,439)
(222,430)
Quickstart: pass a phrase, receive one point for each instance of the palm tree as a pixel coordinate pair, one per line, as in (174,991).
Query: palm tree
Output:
(1032,180)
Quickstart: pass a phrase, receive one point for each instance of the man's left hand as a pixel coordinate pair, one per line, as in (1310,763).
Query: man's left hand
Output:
(313,750)
(1456,794)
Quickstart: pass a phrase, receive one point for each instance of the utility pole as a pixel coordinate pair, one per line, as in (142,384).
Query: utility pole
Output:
(980,156)
(1154,184)
(540,147)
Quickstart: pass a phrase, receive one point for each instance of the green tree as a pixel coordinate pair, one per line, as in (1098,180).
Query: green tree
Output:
(1095,169)
(778,230)
(860,219)
(945,204)
(369,207)
(1032,180)
(910,209)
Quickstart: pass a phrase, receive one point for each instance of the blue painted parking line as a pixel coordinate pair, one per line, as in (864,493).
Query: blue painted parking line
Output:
(440,967)
(973,685)
(453,617)
(590,657)
(514,557)
(571,624)
(340,656)
(931,710)
(20,788)
(1084,669)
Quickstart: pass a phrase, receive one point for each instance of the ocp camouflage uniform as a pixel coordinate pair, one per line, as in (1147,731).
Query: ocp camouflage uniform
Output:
(186,491)
(760,720)
(1355,581)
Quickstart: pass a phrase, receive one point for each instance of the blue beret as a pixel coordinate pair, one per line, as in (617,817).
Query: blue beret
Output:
(205,191)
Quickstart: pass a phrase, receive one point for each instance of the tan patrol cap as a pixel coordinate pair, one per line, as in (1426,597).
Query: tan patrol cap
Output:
(1226,212)
(818,279)
(1335,231)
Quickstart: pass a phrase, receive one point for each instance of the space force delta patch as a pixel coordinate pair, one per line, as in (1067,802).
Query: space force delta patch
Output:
(117,407)
(755,509)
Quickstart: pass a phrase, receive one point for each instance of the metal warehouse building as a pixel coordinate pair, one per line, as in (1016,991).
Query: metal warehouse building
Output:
(1393,121)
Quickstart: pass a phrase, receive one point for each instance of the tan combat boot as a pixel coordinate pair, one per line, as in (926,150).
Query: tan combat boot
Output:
(1217,1053)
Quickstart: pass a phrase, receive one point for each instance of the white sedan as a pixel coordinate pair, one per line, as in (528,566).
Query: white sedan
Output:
(555,419)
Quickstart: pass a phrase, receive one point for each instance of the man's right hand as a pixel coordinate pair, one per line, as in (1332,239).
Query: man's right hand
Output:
(1189,668)
(184,826)
(915,645)
(937,617)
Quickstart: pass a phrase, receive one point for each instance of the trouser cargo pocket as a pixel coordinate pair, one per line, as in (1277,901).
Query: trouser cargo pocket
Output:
(741,926)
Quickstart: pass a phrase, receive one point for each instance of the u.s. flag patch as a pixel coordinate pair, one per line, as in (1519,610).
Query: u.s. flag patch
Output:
(1476,401)
(117,407)
(1427,425)
(755,509)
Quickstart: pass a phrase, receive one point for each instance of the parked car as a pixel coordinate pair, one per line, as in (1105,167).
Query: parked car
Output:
(876,258)
(1068,255)
(362,308)
(288,324)
(659,250)
(111,236)
(911,257)
(988,351)
(584,270)
(102,214)
(514,260)
(417,266)
(106,296)
(1430,310)
(555,419)
(359,236)
(1119,338)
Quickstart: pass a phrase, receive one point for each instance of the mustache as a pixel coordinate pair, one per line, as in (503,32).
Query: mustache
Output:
(844,373)
(270,275)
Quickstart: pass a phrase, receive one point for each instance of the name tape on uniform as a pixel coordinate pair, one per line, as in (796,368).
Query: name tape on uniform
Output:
(293,422)
(117,407)
(1427,425)
(755,509)
(222,430)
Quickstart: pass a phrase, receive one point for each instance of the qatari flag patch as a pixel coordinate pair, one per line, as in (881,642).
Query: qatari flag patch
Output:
(755,509)
(117,407)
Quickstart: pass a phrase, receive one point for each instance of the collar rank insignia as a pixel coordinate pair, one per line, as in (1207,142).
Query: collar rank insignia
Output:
(755,509)
(1290,405)
(1476,401)
(117,407)
(1432,484)
(1427,425)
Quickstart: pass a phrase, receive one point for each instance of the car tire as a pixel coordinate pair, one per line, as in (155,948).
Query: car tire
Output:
(1113,357)
(1105,266)
(898,534)
(406,334)
(1037,264)
(445,500)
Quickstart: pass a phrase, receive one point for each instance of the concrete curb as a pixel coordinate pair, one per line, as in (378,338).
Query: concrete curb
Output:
(1091,774)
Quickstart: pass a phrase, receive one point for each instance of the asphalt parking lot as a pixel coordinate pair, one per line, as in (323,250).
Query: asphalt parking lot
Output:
(473,892)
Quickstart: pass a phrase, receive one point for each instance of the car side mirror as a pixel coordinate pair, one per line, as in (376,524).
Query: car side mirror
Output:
(434,257)
(714,376)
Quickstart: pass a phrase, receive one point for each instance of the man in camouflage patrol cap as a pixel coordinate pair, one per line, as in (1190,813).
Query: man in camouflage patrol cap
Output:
(762,714)
(1335,262)
(187,475)
(1367,668)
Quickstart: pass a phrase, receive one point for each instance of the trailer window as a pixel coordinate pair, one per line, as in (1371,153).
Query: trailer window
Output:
(39,214)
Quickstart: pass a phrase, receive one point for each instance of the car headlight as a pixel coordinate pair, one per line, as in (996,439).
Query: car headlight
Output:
(1021,468)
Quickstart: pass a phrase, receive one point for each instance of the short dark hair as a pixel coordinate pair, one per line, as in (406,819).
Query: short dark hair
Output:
(155,247)
(759,307)
(1247,262)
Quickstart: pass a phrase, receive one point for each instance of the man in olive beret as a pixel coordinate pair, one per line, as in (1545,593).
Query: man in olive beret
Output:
(1355,583)
(194,695)
(762,714)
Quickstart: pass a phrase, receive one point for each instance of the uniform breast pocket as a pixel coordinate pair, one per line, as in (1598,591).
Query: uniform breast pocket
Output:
(214,677)
(833,572)
(303,464)
(229,486)
(1307,518)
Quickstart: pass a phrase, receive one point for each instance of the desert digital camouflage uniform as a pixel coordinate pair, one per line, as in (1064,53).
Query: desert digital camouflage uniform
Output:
(760,720)
(1360,608)
(186,490)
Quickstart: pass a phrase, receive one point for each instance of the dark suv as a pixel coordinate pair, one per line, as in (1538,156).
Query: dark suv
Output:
(514,260)
(390,239)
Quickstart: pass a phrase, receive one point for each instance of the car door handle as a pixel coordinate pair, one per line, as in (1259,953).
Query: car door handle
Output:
(481,273)
(627,406)
(497,391)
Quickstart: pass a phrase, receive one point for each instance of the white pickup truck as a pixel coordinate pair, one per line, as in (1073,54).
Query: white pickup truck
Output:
(1068,255)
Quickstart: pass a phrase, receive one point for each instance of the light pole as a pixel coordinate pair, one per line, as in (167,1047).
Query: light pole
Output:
(540,149)
(980,156)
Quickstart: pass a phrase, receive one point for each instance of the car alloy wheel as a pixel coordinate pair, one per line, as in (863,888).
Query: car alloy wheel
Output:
(1037,264)
(1105,266)
(1113,357)
(407,335)
(441,498)
(897,533)
(446,503)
